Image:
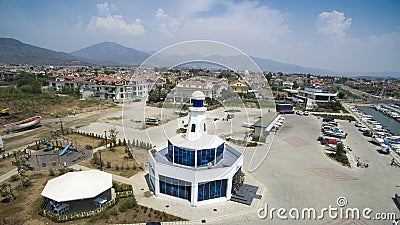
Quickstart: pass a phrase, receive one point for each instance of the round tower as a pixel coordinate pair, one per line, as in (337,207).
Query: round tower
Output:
(197,118)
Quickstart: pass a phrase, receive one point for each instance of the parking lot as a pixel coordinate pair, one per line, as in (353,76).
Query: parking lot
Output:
(298,175)
(295,173)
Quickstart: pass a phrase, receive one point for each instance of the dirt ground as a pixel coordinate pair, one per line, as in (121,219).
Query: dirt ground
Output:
(120,164)
(19,140)
(5,164)
(24,209)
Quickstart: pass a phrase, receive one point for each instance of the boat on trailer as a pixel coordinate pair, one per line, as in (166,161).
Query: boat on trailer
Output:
(23,124)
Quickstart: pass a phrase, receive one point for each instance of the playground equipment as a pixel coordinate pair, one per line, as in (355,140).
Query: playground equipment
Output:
(64,150)
(48,146)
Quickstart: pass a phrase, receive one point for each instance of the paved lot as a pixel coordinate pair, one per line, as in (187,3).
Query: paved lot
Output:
(295,173)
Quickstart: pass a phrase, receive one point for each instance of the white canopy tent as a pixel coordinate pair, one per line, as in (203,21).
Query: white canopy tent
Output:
(77,185)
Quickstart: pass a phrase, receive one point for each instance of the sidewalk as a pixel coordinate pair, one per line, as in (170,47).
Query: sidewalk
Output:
(8,175)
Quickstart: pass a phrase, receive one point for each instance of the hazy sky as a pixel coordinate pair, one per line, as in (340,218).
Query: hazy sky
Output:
(340,35)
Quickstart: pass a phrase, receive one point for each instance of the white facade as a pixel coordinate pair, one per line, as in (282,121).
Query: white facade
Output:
(194,168)
(184,90)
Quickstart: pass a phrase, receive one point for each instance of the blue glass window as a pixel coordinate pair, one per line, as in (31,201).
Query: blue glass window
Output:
(220,152)
(197,103)
(212,189)
(183,156)
(205,156)
(175,187)
(170,150)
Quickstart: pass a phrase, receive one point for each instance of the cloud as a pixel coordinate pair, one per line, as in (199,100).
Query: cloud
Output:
(103,9)
(160,14)
(116,23)
(107,22)
(333,25)
(167,26)
(242,23)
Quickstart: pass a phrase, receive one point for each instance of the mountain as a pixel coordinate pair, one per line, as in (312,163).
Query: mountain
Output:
(273,66)
(15,52)
(110,53)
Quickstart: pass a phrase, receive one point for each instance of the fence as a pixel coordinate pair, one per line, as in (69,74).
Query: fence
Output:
(79,215)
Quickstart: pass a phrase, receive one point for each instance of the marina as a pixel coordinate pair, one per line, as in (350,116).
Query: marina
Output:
(390,123)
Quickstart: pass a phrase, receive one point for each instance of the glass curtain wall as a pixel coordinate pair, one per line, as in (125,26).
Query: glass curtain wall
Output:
(174,187)
(220,151)
(205,156)
(183,156)
(212,189)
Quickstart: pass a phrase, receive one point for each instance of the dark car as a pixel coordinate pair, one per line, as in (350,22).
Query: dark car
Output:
(367,133)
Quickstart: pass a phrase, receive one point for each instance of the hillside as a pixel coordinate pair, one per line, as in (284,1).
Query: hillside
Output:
(15,52)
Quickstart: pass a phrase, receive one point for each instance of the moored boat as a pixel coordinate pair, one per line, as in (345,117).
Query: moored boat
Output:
(33,121)
(5,112)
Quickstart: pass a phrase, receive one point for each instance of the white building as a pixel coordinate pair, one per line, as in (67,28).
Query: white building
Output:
(183,90)
(103,87)
(195,167)
(77,191)
(317,95)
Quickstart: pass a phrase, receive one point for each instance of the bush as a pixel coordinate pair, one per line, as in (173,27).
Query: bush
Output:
(51,172)
(340,156)
(14,177)
(129,203)
(61,171)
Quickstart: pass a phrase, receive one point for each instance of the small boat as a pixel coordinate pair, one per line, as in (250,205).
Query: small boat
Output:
(33,121)
(5,112)
(377,139)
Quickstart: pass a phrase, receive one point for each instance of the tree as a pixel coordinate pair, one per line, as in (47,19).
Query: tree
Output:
(112,135)
(7,192)
(238,181)
(22,167)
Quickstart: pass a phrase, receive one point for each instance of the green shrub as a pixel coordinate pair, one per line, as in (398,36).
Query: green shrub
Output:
(14,177)
(51,172)
(129,203)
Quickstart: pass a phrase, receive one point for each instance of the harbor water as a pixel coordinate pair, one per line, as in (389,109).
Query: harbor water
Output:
(389,123)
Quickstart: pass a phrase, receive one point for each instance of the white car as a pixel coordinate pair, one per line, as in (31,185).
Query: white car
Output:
(300,113)
(306,113)
(358,124)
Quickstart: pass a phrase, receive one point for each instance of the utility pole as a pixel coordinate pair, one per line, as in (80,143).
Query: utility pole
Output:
(101,162)
(105,136)
(62,128)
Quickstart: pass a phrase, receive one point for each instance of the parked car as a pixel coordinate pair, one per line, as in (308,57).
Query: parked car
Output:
(363,128)
(358,124)
(300,113)
(367,133)
(306,113)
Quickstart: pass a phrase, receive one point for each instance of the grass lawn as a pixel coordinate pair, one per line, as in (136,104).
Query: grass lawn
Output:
(119,163)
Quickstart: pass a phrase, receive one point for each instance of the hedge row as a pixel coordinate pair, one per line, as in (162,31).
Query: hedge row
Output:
(80,215)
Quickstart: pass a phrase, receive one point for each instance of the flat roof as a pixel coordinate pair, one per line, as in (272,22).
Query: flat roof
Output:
(266,120)
(291,91)
(206,141)
(77,185)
